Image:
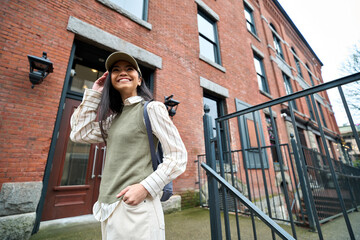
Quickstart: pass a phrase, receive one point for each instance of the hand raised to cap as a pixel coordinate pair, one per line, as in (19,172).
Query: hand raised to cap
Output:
(99,83)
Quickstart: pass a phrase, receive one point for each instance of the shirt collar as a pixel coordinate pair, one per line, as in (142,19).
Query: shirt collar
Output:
(132,100)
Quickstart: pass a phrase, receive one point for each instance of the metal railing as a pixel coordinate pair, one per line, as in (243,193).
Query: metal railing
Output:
(273,202)
(306,169)
(252,207)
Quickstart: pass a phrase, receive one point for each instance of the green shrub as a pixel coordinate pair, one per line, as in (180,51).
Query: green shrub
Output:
(190,199)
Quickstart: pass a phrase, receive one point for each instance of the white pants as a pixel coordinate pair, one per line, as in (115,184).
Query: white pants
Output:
(144,221)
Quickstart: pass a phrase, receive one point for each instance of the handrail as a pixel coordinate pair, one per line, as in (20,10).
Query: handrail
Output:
(252,207)
(293,96)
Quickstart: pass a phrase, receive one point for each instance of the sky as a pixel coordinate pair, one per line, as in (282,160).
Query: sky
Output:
(332,28)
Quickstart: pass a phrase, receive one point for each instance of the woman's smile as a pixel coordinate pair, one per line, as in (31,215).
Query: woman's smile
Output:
(125,79)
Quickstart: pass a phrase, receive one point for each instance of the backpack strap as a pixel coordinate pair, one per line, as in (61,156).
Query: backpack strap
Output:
(154,157)
(168,189)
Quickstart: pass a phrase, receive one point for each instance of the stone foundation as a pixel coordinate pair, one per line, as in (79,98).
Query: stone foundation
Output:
(18,203)
(172,205)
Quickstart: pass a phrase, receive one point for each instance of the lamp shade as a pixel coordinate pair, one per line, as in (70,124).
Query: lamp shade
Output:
(40,67)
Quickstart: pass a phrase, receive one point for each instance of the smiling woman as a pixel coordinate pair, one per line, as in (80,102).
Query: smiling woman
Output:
(125,79)
(129,189)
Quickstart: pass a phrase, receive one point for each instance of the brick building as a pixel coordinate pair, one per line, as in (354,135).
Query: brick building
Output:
(228,54)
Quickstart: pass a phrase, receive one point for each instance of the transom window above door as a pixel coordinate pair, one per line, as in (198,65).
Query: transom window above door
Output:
(84,78)
(89,65)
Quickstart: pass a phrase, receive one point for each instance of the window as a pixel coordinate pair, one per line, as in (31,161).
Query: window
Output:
(321,114)
(260,71)
(277,43)
(310,76)
(208,39)
(136,7)
(297,62)
(311,79)
(311,111)
(270,127)
(289,90)
(250,24)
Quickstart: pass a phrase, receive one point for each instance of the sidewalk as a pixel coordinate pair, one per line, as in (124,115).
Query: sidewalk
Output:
(191,224)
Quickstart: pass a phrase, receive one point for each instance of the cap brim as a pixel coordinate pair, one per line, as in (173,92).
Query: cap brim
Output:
(120,56)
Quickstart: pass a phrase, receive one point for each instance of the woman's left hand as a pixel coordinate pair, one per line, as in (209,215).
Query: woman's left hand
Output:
(133,194)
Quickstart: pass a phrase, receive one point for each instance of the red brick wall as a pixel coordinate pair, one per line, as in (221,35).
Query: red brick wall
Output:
(30,27)
(28,115)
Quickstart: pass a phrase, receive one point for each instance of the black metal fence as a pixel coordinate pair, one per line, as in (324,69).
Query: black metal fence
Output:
(286,181)
(323,188)
(266,186)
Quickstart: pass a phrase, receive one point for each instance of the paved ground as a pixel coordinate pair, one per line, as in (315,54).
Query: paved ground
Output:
(191,224)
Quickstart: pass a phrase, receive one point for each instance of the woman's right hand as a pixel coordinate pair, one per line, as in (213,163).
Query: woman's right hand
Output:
(99,84)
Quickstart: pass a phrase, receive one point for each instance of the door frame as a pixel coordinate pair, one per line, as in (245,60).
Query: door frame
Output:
(50,158)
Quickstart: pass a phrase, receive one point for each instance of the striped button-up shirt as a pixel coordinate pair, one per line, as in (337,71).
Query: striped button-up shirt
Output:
(85,129)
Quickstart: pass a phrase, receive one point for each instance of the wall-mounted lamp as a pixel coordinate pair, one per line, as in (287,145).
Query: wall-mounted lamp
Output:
(40,67)
(171,105)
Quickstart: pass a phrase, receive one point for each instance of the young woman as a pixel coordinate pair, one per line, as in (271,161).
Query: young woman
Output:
(129,204)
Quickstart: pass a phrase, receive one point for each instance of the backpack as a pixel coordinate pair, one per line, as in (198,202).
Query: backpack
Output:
(156,156)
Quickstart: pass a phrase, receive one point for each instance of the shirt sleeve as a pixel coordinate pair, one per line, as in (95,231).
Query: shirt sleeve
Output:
(175,154)
(84,127)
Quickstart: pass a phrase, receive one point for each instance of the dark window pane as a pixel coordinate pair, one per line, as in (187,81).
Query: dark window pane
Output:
(321,114)
(278,47)
(311,79)
(288,89)
(260,74)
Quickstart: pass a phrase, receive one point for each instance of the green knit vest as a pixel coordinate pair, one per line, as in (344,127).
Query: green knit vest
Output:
(128,157)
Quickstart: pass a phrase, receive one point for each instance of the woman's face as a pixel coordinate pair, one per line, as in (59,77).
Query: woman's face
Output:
(125,79)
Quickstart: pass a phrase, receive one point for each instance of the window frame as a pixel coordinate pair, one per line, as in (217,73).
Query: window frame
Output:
(272,142)
(321,114)
(310,76)
(289,89)
(143,21)
(297,63)
(216,45)
(250,11)
(264,82)
(310,108)
(277,42)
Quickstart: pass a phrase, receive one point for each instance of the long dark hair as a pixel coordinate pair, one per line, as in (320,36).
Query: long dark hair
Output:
(111,101)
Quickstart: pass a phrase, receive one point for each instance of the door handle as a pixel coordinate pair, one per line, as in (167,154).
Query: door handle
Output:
(94,162)
(103,160)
